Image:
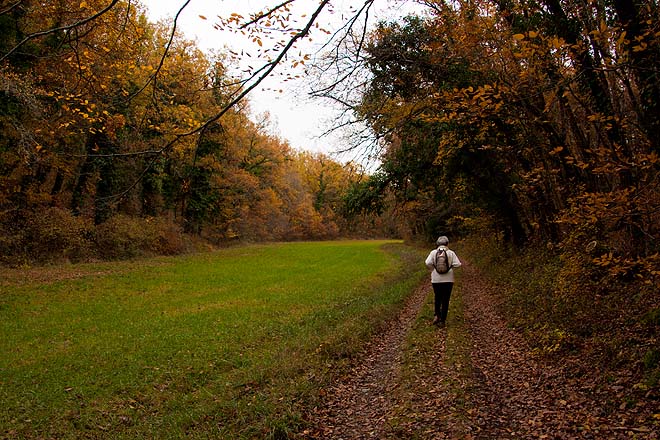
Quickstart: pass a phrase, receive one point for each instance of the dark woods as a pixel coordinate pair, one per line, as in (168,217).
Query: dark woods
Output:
(536,119)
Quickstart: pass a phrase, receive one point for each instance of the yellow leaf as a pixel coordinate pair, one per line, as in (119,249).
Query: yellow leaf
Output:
(519,37)
(533,34)
(83,5)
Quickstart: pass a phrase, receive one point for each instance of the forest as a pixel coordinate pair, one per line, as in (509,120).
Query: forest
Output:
(531,125)
(109,150)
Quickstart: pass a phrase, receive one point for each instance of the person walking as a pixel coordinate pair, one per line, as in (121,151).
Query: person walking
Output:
(442,261)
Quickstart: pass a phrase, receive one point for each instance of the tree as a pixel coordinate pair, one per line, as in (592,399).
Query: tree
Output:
(531,107)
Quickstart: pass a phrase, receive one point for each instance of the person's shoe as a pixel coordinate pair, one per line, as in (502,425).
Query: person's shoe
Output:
(436,320)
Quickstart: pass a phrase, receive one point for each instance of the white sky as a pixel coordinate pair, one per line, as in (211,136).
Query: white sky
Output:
(295,117)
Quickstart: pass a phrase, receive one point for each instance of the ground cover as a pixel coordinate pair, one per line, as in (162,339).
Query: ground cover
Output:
(231,344)
(476,378)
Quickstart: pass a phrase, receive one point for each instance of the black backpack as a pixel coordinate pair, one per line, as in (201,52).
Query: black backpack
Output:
(441,263)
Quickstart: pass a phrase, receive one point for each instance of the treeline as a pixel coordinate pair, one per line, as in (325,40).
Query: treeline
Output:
(534,124)
(107,149)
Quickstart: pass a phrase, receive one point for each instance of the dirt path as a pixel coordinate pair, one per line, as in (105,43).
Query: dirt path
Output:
(357,406)
(503,392)
(514,394)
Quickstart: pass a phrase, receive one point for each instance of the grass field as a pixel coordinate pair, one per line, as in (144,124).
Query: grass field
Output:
(229,344)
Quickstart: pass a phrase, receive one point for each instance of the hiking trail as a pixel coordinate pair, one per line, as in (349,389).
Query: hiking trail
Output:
(505,392)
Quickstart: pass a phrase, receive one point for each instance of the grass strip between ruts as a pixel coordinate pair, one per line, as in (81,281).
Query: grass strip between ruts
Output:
(431,394)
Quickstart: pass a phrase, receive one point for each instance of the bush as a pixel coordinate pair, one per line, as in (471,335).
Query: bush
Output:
(123,237)
(167,238)
(52,235)
(48,235)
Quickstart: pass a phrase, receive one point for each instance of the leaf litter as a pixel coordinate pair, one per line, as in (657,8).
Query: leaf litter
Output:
(497,388)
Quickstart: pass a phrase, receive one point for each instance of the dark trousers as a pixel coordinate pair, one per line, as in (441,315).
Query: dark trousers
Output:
(442,293)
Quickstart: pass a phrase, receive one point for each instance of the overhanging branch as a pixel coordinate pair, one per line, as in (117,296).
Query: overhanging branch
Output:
(59,29)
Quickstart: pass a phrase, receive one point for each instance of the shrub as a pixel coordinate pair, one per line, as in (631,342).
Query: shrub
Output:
(167,237)
(48,235)
(123,237)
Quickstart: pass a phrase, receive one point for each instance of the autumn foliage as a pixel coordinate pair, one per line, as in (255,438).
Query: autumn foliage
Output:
(534,124)
(529,128)
(111,147)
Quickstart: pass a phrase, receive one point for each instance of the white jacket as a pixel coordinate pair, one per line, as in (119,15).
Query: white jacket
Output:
(453,262)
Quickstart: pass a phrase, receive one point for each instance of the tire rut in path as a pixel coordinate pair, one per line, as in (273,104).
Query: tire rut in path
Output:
(507,392)
(356,406)
(516,394)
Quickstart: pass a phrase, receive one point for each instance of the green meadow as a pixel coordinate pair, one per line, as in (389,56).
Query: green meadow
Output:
(236,343)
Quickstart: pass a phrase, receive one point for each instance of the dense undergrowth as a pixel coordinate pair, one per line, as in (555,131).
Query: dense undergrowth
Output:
(57,236)
(604,328)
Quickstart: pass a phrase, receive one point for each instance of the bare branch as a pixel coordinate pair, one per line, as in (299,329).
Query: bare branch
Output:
(267,69)
(10,7)
(265,14)
(154,76)
(347,29)
(127,154)
(58,29)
